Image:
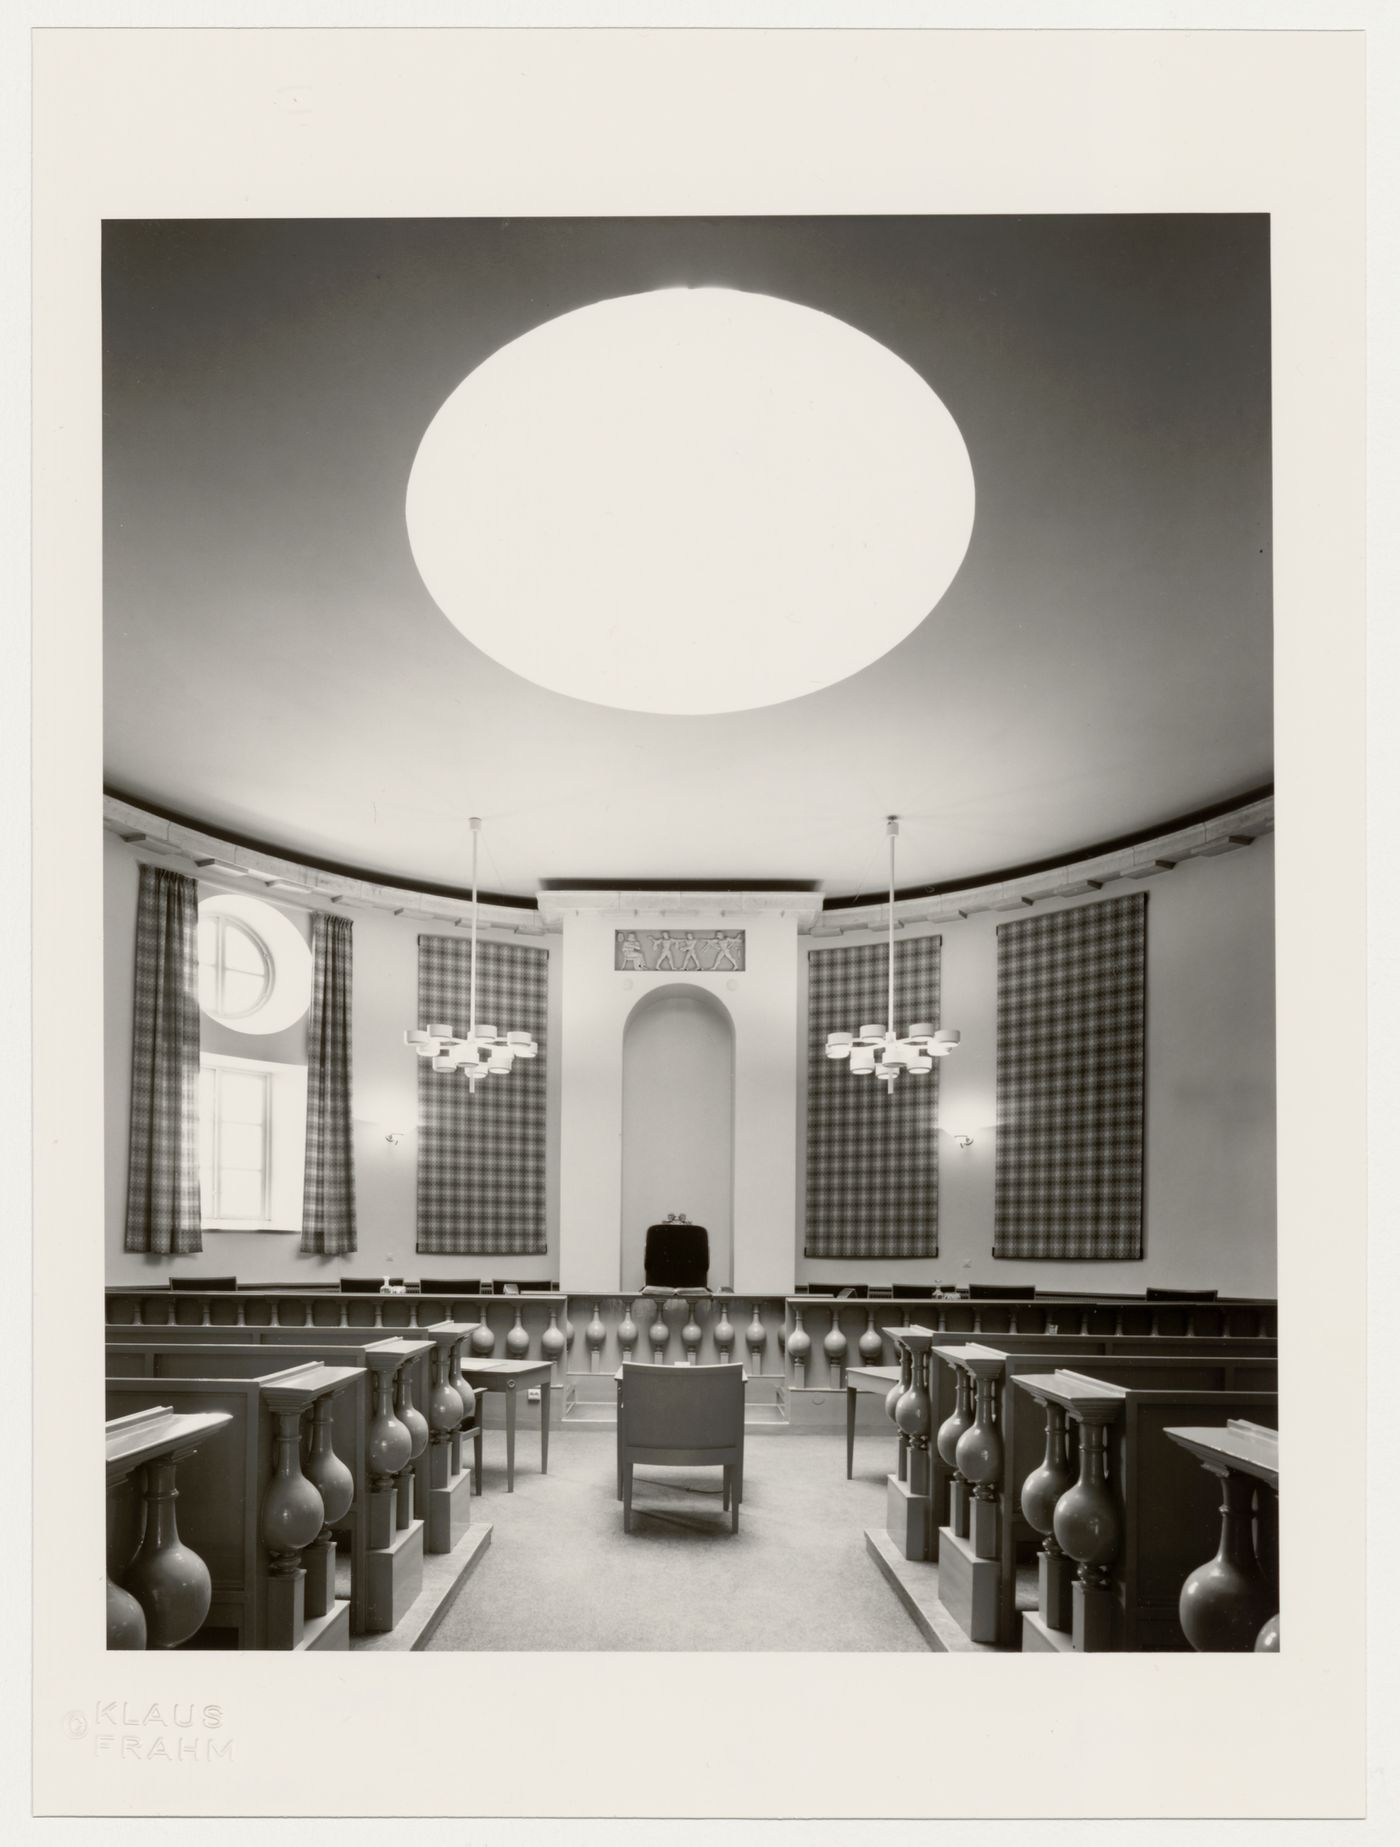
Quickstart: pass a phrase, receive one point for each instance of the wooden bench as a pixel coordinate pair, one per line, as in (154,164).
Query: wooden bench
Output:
(165,1595)
(250,1509)
(990,1446)
(1131,1522)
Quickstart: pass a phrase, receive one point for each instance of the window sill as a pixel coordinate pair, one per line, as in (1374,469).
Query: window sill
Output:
(285,1231)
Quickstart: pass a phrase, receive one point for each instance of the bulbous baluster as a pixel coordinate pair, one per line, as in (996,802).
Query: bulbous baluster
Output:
(835,1348)
(552,1341)
(483,1339)
(292,1512)
(870,1344)
(416,1424)
(658,1333)
(390,1450)
(1225,1602)
(979,1455)
(690,1334)
(517,1340)
(169,1581)
(1268,1642)
(914,1416)
(724,1332)
(892,1398)
(756,1339)
(799,1346)
(333,1481)
(1040,1494)
(627,1332)
(950,1433)
(1088,1529)
(595,1334)
(126,1620)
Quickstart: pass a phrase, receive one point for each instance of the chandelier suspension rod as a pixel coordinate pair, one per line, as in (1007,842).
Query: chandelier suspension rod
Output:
(476,836)
(891,828)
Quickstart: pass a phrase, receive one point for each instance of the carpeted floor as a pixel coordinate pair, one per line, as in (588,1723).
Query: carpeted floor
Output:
(561,1574)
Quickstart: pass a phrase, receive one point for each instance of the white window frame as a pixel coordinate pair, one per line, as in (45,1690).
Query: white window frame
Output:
(284,1130)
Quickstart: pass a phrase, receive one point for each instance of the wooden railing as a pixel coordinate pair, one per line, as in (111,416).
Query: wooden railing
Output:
(990,1446)
(1230,1603)
(164,1591)
(822,1334)
(1129,1523)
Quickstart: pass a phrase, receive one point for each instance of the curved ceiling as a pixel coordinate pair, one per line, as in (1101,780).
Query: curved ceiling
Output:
(275,667)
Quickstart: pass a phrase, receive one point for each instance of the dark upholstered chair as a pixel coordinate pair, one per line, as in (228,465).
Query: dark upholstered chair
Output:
(1000,1292)
(681,1417)
(449,1285)
(203,1282)
(361,1285)
(1182,1295)
(677,1256)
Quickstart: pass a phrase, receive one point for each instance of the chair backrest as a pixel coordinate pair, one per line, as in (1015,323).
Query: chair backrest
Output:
(682,1407)
(449,1285)
(1000,1292)
(1181,1295)
(203,1282)
(361,1285)
(677,1255)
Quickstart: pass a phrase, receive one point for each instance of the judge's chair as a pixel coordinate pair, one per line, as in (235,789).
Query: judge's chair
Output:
(676,1256)
(681,1417)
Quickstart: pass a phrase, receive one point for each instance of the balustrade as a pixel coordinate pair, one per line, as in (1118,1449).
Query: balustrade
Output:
(1230,1603)
(167,1589)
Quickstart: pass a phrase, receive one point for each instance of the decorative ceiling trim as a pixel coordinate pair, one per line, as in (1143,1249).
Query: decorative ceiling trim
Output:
(238,868)
(1226,833)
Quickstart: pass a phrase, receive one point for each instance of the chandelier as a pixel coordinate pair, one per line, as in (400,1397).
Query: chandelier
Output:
(879,1050)
(484,1052)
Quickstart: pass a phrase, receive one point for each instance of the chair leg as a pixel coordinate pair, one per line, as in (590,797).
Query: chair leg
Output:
(734,1503)
(627,1496)
(476,1455)
(724,1471)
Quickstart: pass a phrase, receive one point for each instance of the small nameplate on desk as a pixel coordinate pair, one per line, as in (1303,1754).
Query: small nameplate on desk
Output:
(679,952)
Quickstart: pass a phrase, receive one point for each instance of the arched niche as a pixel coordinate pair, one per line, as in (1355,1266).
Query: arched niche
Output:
(678,1123)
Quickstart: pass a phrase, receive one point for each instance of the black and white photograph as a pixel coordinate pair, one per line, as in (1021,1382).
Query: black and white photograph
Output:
(687,1003)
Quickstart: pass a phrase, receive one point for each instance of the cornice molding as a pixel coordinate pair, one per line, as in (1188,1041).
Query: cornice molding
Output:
(237,868)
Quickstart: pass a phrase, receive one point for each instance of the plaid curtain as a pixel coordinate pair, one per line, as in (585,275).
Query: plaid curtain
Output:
(481,1158)
(162,1174)
(1070,1051)
(328,1190)
(872,1157)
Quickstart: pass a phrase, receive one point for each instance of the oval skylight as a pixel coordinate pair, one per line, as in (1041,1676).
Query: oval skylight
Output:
(690,501)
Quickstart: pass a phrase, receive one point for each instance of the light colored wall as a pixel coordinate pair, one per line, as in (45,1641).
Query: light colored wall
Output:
(385,1097)
(678,1124)
(1211,1194)
(763,1005)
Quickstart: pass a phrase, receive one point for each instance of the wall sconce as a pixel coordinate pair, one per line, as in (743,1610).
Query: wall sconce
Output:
(963,1140)
(393,1137)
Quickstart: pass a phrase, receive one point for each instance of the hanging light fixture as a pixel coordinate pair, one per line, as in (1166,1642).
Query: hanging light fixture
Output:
(484,1052)
(879,1051)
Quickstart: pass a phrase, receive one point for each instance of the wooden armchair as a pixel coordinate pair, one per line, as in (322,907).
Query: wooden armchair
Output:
(681,1417)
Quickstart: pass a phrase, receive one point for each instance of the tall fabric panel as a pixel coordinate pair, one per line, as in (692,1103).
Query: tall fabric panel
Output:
(481,1159)
(872,1152)
(162,1175)
(1071,1036)
(328,1190)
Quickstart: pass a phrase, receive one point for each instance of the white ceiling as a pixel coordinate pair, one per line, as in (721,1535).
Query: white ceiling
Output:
(275,667)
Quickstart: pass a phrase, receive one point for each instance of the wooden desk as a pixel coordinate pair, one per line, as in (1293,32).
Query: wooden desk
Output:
(864,1379)
(507,1376)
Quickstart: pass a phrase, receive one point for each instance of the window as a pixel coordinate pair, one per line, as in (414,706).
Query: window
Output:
(254,965)
(252,1130)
